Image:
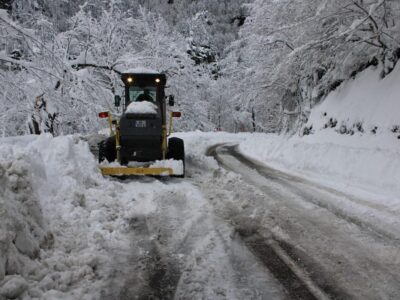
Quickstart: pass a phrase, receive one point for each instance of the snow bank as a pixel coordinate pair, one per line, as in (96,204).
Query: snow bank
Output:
(142,107)
(354,140)
(60,219)
(367,163)
(22,230)
(42,186)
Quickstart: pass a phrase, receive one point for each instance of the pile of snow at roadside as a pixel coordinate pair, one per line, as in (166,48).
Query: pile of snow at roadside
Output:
(142,107)
(60,219)
(354,139)
(22,231)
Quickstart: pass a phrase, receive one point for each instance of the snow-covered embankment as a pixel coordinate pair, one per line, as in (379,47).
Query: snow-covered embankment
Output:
(354,140)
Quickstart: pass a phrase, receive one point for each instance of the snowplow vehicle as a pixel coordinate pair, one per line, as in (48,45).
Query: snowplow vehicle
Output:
(139,142)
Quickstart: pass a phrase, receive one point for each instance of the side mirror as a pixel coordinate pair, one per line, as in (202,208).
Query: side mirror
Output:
(171,100)
(117,101)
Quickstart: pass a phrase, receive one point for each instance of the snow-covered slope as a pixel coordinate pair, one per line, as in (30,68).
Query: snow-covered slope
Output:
(354,138)
(364,104)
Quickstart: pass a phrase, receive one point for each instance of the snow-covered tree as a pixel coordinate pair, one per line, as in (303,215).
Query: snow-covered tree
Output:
(233,65)
(72,75)
(291,54)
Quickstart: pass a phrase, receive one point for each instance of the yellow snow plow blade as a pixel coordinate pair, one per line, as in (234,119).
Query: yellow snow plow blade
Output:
(120,171)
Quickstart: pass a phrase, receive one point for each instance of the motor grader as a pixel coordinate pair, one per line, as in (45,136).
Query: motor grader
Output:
(139,142)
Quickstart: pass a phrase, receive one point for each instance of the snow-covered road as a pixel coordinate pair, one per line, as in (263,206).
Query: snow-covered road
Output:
(347,253)
(183,248)
(232,229)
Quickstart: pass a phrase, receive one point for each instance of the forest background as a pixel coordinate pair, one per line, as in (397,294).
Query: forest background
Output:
(254,65)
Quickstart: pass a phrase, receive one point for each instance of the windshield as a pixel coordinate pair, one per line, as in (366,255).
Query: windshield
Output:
(147,93)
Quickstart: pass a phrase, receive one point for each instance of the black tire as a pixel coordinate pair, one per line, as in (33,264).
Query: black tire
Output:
(176,151)
(107,150)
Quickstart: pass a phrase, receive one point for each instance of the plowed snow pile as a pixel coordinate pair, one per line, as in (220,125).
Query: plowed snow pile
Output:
(59,219)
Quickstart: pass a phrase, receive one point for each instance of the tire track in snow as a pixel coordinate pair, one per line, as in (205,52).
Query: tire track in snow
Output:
(318,270)
(148,272)
(290,182)
(297,283)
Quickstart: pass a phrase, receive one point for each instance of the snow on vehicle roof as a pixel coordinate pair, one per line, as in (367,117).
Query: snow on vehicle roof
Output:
(142,107)
(140,70)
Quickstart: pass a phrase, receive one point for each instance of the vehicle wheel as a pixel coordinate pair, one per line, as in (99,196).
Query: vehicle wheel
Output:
(107,150)
(176,151)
